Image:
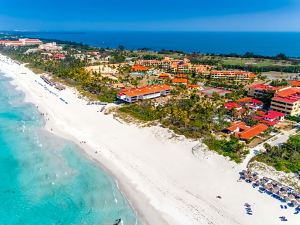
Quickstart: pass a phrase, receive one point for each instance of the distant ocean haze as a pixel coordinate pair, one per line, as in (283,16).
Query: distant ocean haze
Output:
(263,43)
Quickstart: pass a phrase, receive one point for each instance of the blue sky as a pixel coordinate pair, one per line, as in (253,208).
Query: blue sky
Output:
(186,15)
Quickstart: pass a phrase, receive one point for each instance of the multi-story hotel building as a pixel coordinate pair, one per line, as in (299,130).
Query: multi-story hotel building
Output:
(287,101)
(232,75)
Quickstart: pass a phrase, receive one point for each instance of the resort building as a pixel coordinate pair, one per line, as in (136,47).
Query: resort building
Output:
(270,118)
(252,132)
(232,75)
(193,86)
(139,68)
(175,65)
(260,90)
(180,81)
(50,47)
(12,43)
(149,63)
(29,41)
(236,127)
(163,76)
(295,83)
(59,56)
(287,101)
(21,42)
(232,105)
(234,109)
(251,103)
(244,132)
(148,92)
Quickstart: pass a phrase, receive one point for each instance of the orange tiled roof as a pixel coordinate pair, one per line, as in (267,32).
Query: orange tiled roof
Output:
(164,75)
(253,131)
(295,83)
(244,100)
(139,68)
(260,113)
(239,124)
(287,92)
(145,90)
(180,80)
(193,85)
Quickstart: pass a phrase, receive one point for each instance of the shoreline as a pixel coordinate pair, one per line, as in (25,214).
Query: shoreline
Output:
(160,177)
(129,193)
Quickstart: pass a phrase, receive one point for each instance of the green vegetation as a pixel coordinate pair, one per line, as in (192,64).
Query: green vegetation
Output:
(151,56)
(69,70)
(248,62)
(293,118)
(278,83)
(193,117)
(232,148)
(143,111)
(285,157)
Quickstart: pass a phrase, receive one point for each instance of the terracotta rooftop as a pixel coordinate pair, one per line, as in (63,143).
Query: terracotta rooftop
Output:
(164,75)
(287,92)
(238,125)
(144,90)
(253,131)
(231,105)
(273,114)
(262,87)
(180,80)
(139,68)
(250,100)
(295,83)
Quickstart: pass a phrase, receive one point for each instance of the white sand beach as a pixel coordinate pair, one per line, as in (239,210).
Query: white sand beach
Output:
(160,176)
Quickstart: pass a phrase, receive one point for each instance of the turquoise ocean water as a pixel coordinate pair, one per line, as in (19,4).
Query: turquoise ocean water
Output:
(46,180)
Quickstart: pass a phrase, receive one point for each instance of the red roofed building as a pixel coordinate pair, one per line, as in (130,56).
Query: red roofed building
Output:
(179,81)
(232,105)
(271,118)
(236,127)
(59,56)
(295,83)
(148,92)
(139,68)
(164,76)
(287,101)
(259,90)
(252,103)
(193,86)
(252,132)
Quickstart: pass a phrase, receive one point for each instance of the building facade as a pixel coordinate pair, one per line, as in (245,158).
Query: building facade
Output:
(287,101)
(143,93)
